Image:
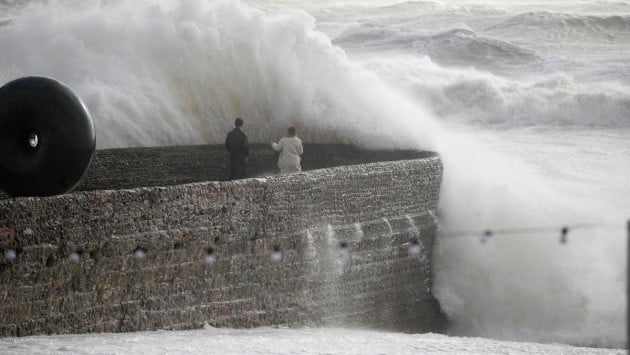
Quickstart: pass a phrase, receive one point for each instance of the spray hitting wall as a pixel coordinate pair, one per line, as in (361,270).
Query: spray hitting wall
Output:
(178,73)
(158,76)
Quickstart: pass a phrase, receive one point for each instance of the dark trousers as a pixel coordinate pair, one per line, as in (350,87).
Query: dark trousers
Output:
(238,169)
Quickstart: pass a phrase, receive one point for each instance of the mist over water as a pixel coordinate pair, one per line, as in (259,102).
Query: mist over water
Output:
(527,103)
(179,74)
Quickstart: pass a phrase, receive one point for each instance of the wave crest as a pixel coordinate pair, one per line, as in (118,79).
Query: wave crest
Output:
(566,26)
(459,46)
(484,99)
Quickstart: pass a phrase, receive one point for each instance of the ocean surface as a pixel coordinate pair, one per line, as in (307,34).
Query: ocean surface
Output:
(280,341)
(528,103)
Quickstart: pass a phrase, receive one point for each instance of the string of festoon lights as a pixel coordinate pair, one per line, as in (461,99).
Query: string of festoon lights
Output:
(342,252)
(562,232)
(563,237)
(414,245)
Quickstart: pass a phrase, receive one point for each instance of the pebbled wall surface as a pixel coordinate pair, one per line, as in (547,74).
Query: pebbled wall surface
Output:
(349,245)
(161,166)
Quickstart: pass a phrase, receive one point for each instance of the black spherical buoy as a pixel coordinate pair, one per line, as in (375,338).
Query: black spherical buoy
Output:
(47,137)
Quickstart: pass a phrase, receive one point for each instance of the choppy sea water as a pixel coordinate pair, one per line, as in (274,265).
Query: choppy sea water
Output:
(280,341)
(528,104)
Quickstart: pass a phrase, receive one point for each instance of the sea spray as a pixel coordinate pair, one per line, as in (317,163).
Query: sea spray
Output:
(178,73)
(154,75)
(526,286)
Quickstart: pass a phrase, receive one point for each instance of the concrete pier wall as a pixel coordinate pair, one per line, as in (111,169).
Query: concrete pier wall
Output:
(349,245)
(163,166)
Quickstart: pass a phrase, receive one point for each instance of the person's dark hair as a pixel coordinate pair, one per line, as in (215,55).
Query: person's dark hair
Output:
(238,122)
(291,131)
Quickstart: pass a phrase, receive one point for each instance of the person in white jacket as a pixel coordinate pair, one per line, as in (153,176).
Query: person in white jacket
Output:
(290,148)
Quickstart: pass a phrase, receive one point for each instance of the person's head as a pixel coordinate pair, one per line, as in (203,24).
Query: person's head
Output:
(238,122)
(291,131)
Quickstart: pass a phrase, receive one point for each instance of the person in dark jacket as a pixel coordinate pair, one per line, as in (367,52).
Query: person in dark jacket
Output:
(236,143)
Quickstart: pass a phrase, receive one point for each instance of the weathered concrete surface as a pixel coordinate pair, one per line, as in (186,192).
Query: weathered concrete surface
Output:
(344,235)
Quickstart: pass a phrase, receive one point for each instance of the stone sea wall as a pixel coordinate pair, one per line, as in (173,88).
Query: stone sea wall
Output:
(348,245)
(161,166)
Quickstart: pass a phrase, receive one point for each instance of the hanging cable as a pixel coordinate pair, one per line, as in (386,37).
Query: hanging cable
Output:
(485,235)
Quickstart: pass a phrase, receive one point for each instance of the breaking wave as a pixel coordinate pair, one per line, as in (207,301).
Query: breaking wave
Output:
(567,26)
(468,96)
(178,73)
(461,47)
(155,76)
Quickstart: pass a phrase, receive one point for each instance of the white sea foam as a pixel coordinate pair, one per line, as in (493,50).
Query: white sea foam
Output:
(277,341)
(153,76)
(538,139)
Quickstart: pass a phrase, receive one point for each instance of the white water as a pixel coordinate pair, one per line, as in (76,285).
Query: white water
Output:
(279,341)
(528,104)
